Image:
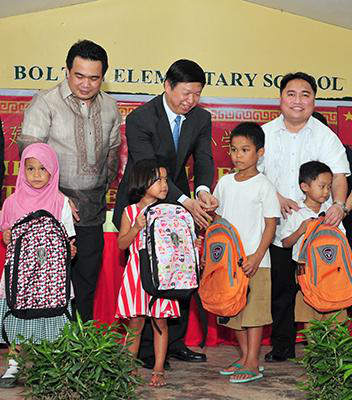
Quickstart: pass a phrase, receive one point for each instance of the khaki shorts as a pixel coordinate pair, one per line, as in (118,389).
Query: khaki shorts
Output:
(304,312)
(257,311)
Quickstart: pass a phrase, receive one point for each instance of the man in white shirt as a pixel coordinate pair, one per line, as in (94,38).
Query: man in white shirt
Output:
(292,139)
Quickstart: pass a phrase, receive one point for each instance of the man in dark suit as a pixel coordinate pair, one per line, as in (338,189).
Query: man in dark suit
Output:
(171,127)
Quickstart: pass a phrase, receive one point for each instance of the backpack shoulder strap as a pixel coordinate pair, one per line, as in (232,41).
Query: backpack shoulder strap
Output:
(222,225)
(3,330)
(308,237)
(35,215)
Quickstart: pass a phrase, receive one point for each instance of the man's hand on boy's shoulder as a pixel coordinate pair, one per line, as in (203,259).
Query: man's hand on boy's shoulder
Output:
(334,215)
(287,205)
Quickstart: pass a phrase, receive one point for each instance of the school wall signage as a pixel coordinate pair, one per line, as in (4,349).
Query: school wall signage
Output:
(148,76)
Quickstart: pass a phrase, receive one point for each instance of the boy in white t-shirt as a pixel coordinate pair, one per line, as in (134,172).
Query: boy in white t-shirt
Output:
(315,180)
(248,200)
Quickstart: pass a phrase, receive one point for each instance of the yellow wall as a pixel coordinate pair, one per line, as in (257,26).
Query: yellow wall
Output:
(223,36)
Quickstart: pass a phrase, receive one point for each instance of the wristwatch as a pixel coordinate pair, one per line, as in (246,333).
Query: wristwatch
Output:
(342,205)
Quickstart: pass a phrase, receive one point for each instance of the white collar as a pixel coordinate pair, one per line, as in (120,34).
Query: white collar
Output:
(324,207)
(171,116)
(282,127)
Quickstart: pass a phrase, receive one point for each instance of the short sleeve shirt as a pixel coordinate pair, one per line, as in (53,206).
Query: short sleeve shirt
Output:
(245,205)
(294,221)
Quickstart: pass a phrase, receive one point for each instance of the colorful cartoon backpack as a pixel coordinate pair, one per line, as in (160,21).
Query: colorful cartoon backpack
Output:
(37,268)
(325,275)
(223,287)
(169,262)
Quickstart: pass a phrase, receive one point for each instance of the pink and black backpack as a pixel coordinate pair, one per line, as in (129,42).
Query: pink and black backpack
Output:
(37,267)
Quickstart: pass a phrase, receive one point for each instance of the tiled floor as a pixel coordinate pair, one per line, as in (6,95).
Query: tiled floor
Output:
(201,381)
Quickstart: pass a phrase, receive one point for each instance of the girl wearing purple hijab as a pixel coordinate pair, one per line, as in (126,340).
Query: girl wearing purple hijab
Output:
(37,188)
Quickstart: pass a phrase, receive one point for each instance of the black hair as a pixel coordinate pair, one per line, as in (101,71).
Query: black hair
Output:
(184,71)
(310,171)
(298,75)
(89,51)
(319,116)
(143,174)
(251,131)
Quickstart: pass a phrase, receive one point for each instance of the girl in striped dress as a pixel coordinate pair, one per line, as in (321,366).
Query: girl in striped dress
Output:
(148,183)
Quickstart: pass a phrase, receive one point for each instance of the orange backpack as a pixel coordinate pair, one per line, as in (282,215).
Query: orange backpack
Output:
(223,286)
(326,276)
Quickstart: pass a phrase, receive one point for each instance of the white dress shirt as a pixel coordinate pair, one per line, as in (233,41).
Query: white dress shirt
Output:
(285,152)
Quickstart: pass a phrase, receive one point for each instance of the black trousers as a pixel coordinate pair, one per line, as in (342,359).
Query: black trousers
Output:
(86,268)
(283,297)
(177,331)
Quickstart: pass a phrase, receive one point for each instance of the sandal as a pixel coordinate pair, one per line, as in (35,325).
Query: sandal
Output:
(7,383)
(236,366)
(248,376)
(158,379)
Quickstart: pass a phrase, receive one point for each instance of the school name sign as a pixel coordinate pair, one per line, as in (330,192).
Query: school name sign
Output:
(156,77)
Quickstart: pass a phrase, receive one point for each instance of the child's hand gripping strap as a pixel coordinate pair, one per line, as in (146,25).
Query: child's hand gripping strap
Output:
(308,237)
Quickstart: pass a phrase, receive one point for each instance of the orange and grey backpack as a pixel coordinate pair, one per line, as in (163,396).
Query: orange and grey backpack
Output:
(325,271)
(223,286)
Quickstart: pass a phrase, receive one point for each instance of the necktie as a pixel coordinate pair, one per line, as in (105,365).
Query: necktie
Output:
(176,131)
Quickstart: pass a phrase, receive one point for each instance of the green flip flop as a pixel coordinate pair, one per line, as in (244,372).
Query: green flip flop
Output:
(236,364)
(253,376)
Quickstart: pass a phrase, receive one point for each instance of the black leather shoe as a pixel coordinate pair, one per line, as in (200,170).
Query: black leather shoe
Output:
(188,355)
(279,357)
(150,361)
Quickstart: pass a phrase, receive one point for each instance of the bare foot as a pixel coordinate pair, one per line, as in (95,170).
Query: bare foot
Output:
(157,379)
(230,370)
(243,373)
(236,365)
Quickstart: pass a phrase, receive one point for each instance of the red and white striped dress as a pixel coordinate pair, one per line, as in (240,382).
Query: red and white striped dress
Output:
(132,300)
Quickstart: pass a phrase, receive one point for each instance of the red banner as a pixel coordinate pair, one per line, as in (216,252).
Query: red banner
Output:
(224,118)
(344,121)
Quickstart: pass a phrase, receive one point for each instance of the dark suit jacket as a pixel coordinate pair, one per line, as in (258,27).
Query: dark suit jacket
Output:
(149,135)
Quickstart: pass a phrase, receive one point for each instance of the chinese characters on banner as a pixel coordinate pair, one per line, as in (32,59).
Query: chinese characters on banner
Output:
(224,118)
